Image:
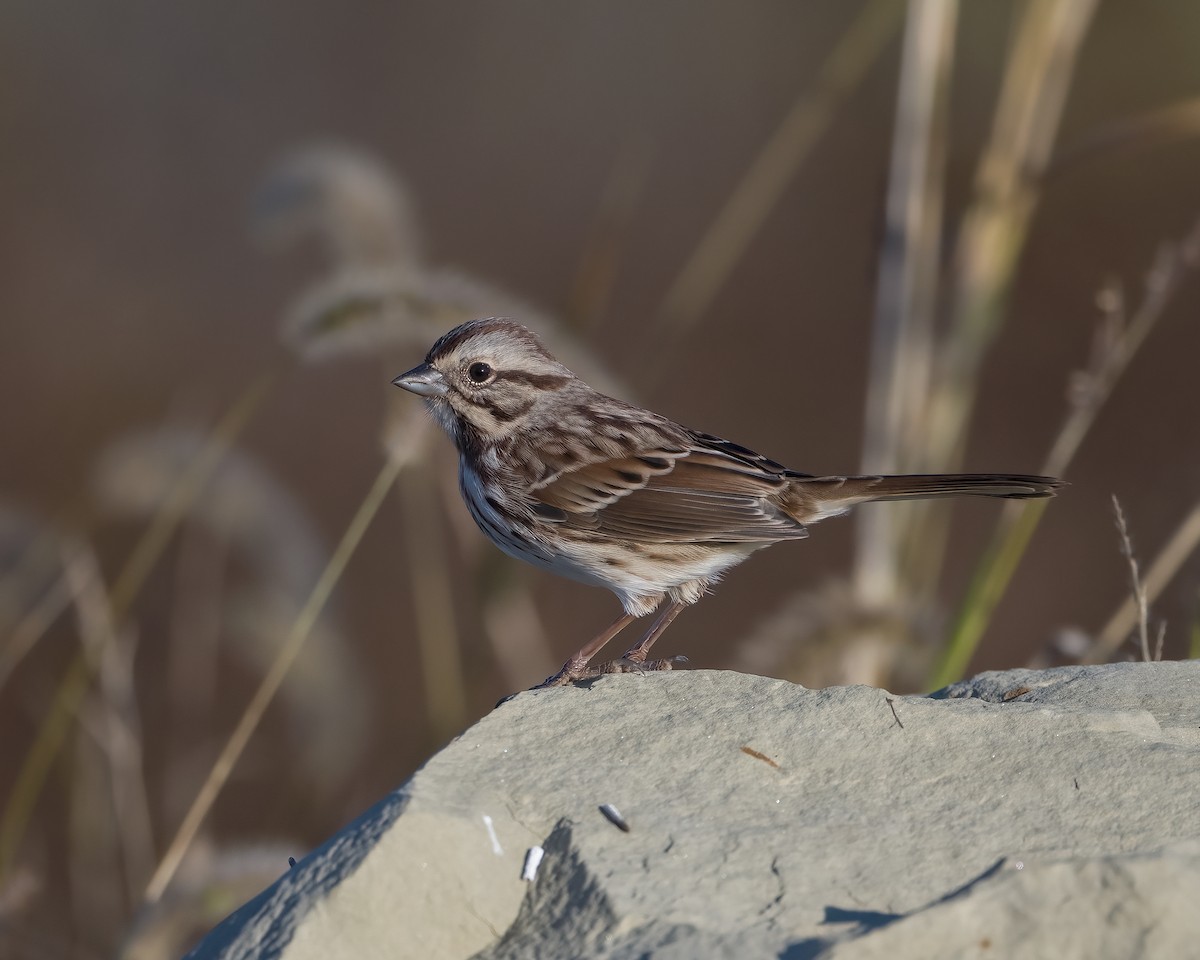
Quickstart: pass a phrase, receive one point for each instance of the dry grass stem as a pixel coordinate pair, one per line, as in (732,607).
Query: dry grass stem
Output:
(595,277)
(115,721)
(242,503)
(91,841)
(1034,91)
(269,686)
(1182,544)
(760,188)
(1194,643)
(433,607)
(33,626)
(1137,590)
(184,493)
(96,761)
(1116,342)
(992,576)
(1171,124)
(29,554)
(194,635)
(276,549)
(902,340)
(77,679)
(1007,186)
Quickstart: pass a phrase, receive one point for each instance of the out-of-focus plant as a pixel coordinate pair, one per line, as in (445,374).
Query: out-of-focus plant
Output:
(1117,339)
(74,687)
(255,516)
(924,370)
(757,192)
(379,296)
(381,299)
(1182,544)
(925,375)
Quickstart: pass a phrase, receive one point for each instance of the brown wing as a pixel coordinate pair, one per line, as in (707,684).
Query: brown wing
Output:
(712,491)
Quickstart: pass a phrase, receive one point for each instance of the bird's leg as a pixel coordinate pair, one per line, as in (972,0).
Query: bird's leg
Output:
(577,667)
(634,659)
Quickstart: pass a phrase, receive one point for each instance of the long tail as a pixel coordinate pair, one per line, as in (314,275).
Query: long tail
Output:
(815,498)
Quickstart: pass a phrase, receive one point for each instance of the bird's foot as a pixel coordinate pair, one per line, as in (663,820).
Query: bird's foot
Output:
(571,671)
(574,670)
(633,665)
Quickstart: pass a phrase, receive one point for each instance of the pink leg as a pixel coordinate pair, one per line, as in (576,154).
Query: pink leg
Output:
(576,667)
(634,660)
(637,653)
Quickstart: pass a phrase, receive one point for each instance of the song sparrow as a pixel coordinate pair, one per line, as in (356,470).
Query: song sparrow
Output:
(607,493)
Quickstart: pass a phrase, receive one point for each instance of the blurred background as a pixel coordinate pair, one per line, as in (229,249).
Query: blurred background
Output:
(853,236)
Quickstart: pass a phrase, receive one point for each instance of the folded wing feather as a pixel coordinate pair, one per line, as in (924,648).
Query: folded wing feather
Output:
(663,496)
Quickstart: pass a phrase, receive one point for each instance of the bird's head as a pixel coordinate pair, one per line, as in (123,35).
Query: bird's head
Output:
(485,379)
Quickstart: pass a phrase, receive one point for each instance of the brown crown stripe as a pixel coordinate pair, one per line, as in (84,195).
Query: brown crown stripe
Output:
(449,341)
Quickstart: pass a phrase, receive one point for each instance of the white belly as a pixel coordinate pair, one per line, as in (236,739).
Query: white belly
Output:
(641,577)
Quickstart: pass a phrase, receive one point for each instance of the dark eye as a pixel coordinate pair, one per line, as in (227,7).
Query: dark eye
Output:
(479,372)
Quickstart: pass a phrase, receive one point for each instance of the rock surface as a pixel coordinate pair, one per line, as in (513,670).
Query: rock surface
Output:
(1024,813)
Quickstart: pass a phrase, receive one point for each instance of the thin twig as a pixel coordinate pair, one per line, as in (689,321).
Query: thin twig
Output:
(1182,544)
(1118,342)
(269,686)
(1138,591)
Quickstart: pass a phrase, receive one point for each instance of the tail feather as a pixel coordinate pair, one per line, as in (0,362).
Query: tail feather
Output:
(816,498)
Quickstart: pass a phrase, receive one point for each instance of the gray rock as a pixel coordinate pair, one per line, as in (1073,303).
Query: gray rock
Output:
(1125,906)
(1030,813)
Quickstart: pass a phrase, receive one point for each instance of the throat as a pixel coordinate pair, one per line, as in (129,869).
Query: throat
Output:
(468,440)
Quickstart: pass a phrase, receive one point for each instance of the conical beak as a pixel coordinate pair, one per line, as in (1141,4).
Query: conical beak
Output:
(423,380)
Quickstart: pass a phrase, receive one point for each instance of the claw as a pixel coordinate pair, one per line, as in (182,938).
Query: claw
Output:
(572,672)
(666,663)
(631,665)
(560,679)
(622,665)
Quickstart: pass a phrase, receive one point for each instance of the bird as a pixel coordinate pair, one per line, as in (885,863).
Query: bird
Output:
(611,494)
